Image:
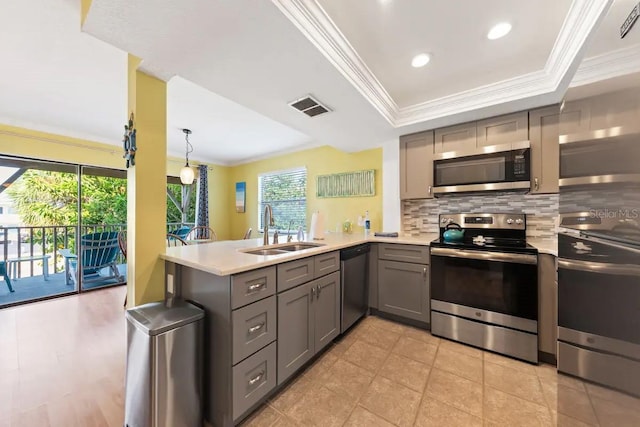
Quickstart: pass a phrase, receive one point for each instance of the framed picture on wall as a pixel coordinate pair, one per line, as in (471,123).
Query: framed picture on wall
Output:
(241,196)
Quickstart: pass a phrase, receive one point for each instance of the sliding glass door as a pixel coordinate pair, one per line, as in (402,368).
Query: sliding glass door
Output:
(60,228)
(103,224)
(38,228)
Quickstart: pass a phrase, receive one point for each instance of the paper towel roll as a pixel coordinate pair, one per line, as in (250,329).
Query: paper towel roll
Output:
(316,231)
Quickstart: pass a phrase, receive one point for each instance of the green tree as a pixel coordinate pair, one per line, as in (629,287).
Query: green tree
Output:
(173,213)
(46,198)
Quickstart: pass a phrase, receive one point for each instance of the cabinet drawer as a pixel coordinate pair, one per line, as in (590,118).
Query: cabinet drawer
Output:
(253,378)
(295,273)
(254,326)
(326,263)
(404,253)
(252,286)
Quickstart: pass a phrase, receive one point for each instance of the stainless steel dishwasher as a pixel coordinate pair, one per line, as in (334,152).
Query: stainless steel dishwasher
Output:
(354,264)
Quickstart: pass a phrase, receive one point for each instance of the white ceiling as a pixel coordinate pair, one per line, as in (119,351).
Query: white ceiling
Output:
(388,34)
(240,62)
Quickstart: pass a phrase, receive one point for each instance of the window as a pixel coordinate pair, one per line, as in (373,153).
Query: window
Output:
(286,192)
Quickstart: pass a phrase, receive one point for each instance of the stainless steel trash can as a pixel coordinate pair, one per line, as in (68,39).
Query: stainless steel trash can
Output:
(164,363)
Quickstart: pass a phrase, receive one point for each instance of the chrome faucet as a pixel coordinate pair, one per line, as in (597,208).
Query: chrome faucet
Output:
(289,236)
(267,221)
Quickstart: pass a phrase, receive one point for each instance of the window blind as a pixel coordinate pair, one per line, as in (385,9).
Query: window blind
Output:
(286,192)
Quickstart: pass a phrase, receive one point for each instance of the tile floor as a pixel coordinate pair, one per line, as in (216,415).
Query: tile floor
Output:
(62,364)
(386,374)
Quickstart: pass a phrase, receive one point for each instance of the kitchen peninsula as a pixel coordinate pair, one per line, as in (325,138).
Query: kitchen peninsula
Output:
(269,315)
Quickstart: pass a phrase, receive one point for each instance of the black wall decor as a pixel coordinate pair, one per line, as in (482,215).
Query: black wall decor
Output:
(129,143)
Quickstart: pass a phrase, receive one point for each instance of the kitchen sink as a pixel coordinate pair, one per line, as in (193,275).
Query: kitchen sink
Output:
(282,248)
(299,246)
(272,251)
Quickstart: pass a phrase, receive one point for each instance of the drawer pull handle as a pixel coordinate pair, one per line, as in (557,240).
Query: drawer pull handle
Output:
(255,379)
(255,288)
(256,328)
(536,184)
(479,314)
(318,291)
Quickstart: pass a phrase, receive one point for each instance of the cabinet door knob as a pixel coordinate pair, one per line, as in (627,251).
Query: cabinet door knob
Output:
(318,291)
(424,271)
(313,292)
(536,184)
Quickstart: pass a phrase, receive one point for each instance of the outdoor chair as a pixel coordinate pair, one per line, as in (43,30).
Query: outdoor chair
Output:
(181,232)
(99,259)
(5,274)
(175,240)
(201,234)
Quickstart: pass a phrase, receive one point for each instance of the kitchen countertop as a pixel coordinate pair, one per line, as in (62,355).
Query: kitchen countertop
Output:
(227,257)
(545,246)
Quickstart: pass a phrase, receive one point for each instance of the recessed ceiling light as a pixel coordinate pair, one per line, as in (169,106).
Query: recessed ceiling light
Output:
(420,60)
(499,30)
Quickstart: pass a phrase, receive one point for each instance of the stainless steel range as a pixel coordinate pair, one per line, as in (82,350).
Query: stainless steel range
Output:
(599,297)
(484,284)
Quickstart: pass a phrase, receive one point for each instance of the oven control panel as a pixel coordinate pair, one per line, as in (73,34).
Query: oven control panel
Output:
(494,221)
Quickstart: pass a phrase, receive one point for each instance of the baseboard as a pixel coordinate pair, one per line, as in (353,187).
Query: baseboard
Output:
(400,319)
(547,358)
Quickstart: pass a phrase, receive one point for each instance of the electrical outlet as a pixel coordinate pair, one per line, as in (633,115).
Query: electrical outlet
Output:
(170,284)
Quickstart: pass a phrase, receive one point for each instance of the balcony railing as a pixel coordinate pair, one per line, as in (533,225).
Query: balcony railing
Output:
(35,241)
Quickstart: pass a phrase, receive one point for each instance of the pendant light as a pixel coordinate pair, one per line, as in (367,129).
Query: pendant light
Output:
(187,174)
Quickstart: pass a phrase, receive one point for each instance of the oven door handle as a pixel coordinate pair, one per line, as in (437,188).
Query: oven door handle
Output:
(486,256)
(599,267)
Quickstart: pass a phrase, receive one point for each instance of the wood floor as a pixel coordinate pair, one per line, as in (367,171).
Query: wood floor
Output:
(62,361)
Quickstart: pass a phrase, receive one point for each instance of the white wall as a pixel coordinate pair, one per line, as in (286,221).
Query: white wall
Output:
(391,217)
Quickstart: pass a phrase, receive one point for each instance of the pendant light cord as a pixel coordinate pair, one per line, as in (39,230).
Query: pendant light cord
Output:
(189,147)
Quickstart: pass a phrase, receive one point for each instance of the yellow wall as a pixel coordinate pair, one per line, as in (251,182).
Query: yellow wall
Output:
(318,161)
(224,220)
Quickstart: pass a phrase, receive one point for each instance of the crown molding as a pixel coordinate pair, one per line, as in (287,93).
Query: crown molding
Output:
(312,20)
(608,65)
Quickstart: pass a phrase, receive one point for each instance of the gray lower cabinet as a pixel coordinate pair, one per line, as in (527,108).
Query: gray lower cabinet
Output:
(308,320)
(253,378)
(326,310)
(403,289)
(295,329)
(547,304)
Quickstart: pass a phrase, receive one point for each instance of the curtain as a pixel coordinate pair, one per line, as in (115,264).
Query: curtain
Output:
(202,202)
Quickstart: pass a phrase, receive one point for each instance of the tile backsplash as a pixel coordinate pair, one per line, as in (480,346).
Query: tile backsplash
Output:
(421,216)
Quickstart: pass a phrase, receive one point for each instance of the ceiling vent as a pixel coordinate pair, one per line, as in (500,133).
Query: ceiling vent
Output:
(309,106)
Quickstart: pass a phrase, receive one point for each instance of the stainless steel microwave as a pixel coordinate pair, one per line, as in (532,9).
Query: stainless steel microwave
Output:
(605,156)
(496,167)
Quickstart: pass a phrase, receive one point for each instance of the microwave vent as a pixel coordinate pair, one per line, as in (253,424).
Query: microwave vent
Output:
(309,106)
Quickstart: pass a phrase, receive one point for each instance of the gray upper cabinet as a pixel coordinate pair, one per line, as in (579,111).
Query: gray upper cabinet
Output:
(601,112)
(492,131)
(547,304)
(545,154)
(295,329)
(416,166)
(455,138)
(502,129)
(403,289)
(326,310)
